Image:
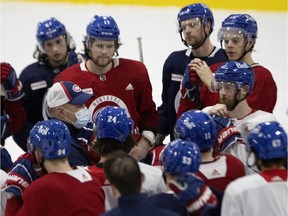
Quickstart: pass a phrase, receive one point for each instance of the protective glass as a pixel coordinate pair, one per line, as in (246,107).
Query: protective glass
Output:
(194,23)
(230,33)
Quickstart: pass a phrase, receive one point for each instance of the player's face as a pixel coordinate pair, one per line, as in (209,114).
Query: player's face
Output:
(56,50)
(193,31)
(234,44)
(227,94)
(102,52)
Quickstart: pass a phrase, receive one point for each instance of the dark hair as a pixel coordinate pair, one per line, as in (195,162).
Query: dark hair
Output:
(107,146)
(123,171)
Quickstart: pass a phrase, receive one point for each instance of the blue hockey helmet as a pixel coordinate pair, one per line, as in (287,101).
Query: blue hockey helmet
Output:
(238,24)
(197,126)
(103,27)
(49,29)
(52,137)
(193,11)
(269,140)
(237,72)
(114,123)
(180,156)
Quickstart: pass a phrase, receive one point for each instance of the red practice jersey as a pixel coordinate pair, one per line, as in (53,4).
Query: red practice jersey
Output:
(220,172)
(76,192)
(126,85)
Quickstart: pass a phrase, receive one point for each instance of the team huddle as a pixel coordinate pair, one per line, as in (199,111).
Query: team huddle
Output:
(93,136)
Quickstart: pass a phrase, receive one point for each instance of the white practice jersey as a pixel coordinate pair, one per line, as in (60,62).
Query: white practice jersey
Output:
(245,125)
(255,195)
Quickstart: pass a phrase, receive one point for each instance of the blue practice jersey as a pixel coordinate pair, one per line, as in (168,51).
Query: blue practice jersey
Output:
(172,74)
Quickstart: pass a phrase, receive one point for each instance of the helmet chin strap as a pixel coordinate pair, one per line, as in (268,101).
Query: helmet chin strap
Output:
(200,44)
(237,101)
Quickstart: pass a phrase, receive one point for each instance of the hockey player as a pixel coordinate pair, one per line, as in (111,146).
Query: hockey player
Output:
(239,33)
(268,189)
(217,171)
(12,113)
(50,142)
(188,194)
(234,82)
(195,25)
(66,102)
(124,174)
(54,52)
(114,132)
(115,81)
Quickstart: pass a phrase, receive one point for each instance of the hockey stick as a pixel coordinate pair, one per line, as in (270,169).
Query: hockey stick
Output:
(140,49)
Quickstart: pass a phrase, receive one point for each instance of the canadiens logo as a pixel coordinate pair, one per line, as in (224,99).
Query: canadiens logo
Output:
(95,107)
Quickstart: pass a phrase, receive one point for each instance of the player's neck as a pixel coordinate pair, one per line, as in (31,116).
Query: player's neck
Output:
(92,67)
(207,156)
(248,59)
(241,110)
(205,50)
(57,166)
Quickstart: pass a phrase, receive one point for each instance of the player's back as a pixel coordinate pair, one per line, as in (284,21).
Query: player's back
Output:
(75,192)
(264,194)
(221,171)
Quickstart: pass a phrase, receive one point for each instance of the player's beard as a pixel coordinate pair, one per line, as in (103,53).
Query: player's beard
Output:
(230,103)
(102,61)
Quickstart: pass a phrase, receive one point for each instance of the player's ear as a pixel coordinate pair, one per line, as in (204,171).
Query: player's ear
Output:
(38,155)
(245,90)
(250,43)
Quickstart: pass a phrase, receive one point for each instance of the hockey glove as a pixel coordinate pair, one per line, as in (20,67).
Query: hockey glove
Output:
(226,138)
(191,84)
(6,161)
(159,139)
(12,86)
(22,174)
(87,134)
(193,192)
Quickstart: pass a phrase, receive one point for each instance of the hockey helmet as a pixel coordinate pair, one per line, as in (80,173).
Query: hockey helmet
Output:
(193,11)
(49,29)
(269,140)
(103,27)
(237,72)
(114,123)
(239,24)
(52,137)
(180,156)
(197,126)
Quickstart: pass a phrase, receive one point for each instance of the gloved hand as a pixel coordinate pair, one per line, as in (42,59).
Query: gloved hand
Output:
(191,84)
(193,192)
(226,138)
(5,129)
(6,161)
(87,134)
(12,86)
(22,174)
(159,139)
